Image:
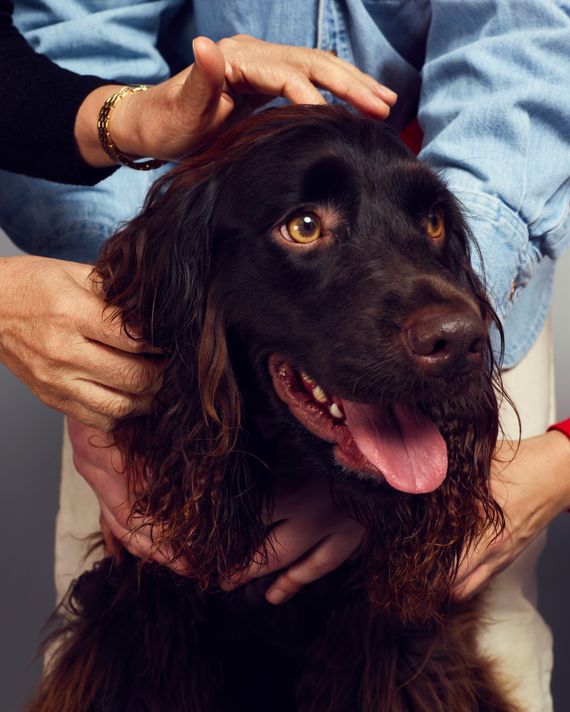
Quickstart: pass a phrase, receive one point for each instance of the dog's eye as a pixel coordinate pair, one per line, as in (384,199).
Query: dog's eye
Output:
(303,228)
(434,224)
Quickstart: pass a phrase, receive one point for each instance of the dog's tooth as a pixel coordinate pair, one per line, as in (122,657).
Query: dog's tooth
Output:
(306,377)
(319,395)
(336,412)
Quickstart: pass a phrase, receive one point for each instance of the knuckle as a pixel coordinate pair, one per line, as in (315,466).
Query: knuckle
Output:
(115,407)
(137,377)
(294,579)
(43,370)
(104,421)
(227,44)
(101,422)
(59,308)
(52,401)
(320,564)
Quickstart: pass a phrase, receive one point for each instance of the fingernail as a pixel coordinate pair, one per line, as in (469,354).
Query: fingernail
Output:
(388,94)
(276,596)
(196,58)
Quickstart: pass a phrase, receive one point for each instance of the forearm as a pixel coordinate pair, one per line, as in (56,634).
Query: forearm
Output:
(531,482)
(37,120)
(554,474)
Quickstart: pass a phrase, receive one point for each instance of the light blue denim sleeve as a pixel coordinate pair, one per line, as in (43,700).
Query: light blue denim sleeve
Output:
(119,42)
(495,110)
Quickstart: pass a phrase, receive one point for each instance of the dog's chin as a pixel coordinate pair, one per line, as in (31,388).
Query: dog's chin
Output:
(395,443)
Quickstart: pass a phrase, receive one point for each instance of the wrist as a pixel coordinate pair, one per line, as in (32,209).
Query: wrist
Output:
(124,126)
(86,133)
(109,129)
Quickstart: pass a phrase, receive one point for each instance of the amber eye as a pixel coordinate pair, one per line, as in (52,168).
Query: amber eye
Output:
(304,228)
(434,225)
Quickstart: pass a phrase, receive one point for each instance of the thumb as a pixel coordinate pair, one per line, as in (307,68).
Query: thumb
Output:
(203,87)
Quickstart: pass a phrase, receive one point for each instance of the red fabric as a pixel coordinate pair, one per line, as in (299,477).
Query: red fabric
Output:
(413,136)
(563,427)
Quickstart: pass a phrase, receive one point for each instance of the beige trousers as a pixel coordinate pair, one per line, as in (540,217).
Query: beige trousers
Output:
(515,635)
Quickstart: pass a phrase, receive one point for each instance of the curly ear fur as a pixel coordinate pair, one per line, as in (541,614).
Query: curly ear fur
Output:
(155,273)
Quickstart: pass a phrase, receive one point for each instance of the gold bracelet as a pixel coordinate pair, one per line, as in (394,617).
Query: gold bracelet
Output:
(107,144)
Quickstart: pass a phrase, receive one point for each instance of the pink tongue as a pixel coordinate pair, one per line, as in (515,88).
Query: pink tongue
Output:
(404,445)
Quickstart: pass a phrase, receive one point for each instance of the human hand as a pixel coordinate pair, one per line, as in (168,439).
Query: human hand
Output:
(101,464)
(227,80)
(312,536)
(57,339)
(531,482)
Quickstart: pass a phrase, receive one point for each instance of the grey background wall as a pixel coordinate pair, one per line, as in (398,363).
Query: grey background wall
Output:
(30,437)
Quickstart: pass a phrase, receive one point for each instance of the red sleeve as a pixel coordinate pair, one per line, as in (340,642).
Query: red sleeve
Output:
(563,427)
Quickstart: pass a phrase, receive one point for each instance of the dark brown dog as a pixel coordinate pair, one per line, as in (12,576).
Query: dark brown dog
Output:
(310,282)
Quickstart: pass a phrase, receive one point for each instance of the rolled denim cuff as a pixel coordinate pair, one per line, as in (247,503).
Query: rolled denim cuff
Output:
(517,277)
(504,259)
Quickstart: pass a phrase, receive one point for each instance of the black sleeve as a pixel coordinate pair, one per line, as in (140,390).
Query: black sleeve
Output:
(38,105)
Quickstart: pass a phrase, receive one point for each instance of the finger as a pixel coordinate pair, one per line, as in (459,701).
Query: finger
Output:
(90,418)
(286,543)
(299,88)
(106,327)
(205,82)
(134,540)
(320,561)
(113,546)
(345,81)
(353,89)
(98,406)
(272,79)
(142,545)
(488,552)
(381,90)
(135,533)
(126,373)
(253,67)
(472,583)
(97,418)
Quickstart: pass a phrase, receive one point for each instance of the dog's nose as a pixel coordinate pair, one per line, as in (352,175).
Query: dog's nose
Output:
(445,343)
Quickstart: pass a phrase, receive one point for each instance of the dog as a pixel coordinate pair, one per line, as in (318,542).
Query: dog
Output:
(309,282)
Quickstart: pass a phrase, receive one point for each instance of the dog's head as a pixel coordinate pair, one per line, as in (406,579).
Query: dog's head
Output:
(308,258)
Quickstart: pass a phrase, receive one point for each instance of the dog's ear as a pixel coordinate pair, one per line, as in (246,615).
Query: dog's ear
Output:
(186,459)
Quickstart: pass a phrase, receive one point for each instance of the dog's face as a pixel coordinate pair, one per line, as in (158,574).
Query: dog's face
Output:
(341,261)
(337,266)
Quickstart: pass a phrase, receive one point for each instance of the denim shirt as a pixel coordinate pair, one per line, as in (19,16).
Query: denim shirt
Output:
(488,80)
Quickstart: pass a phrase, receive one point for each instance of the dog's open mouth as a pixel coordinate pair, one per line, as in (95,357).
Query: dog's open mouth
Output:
(398,444)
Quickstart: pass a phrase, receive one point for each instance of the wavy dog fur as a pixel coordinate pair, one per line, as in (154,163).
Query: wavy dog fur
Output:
(203,274)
